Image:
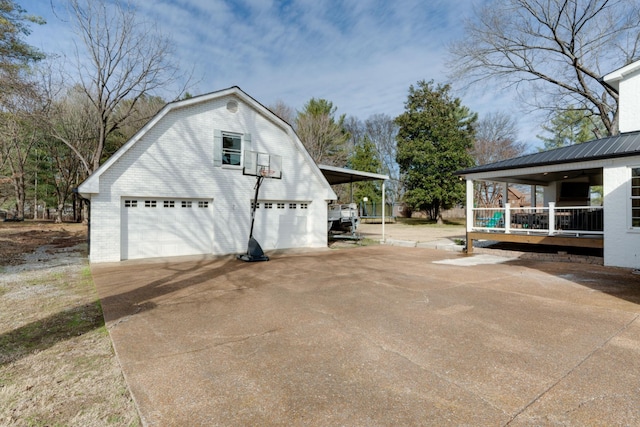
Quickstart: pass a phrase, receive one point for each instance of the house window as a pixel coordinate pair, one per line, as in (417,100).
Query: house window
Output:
(280,205)
(257,205)
(203,204)
(635,197)
(186,203)
(231,149)
(130,203)
(268,205)
(304,205)
(169,204)
(292,205)
(149,203)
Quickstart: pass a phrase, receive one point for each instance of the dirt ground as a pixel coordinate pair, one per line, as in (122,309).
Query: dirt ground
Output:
(57,364)
(20,238)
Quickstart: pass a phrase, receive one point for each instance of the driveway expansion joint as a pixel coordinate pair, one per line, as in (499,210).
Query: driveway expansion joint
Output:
(573,369)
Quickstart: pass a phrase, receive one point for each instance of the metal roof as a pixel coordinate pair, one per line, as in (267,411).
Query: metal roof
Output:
(622,145)
(336,175)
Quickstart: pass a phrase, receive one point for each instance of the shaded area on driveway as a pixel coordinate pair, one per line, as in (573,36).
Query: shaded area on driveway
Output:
(376,335)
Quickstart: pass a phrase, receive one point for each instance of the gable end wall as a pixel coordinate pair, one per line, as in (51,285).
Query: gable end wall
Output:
(174,159)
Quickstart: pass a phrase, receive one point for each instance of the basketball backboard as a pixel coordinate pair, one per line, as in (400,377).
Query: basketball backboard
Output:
(262,164)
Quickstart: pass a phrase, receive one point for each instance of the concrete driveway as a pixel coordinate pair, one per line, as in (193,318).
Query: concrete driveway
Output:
(376,336)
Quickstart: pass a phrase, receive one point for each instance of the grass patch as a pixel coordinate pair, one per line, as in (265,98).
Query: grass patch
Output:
(57,364)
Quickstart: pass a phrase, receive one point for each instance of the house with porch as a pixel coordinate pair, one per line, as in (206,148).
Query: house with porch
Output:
(568,177)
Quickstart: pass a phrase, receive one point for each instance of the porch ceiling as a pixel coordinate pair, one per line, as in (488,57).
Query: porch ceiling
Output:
(594,176)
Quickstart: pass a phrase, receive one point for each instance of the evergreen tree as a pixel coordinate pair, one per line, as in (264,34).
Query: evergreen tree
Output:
(435,137)
(569,127)
(365,158)
(323,135)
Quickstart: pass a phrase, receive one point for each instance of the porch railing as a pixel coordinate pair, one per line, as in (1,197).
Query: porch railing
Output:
(545,220)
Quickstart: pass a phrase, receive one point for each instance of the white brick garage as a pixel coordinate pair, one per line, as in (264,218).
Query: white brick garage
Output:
(191,151)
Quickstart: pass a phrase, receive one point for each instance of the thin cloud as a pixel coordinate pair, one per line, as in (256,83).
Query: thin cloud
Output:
(361,55)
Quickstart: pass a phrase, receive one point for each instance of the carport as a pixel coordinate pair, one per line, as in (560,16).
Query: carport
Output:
(335,175)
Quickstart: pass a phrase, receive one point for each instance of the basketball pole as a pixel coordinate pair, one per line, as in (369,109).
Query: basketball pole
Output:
(254,250)
(255,205)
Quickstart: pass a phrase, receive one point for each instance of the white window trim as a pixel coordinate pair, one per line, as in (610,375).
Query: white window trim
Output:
(240,152)
(219,151)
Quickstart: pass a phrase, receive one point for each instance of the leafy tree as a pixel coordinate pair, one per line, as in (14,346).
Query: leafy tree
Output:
(14,26)
(569,127)
(324,136)
(365,158)
(554,51)
(434,139)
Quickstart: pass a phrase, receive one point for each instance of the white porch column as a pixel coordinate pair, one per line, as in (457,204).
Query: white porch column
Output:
(552,218)
(507,218)
(469,205)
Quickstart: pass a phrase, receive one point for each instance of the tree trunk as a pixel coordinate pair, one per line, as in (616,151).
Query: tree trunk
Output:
(17,179)
(85,213)
(58,219)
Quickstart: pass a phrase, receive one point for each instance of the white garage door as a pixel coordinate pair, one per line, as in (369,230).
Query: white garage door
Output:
(282,224)
(166,227)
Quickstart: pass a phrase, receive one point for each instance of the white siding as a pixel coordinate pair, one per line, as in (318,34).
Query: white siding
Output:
(621,242)
(629,102)
(174,159)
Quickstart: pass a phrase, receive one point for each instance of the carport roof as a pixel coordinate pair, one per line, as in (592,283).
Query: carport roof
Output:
(622,145)
(336,175)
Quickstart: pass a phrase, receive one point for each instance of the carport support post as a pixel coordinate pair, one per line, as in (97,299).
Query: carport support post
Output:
(383,206)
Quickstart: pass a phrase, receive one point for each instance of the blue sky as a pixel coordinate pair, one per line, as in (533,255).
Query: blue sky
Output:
(362,55)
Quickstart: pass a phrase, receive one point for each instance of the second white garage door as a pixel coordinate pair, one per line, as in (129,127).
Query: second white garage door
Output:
(282,224)
(159,227)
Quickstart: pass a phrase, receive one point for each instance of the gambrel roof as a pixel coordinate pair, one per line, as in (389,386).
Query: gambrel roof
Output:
(91,184)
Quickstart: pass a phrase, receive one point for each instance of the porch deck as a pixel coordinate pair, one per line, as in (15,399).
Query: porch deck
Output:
(574,226)
(596,242)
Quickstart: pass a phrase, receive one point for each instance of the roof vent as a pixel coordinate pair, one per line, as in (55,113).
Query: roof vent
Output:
(232,106)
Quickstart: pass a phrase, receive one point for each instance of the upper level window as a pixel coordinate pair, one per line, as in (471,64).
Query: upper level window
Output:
(635,197)
(231,149)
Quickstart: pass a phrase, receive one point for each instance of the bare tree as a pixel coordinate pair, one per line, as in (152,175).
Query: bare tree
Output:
(495,140)
(382,130)
(20,130)
(553,51)
(283,111)
(119,58)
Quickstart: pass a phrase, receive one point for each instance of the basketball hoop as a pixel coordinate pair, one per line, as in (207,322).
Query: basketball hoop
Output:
(267,173)
(262,165)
